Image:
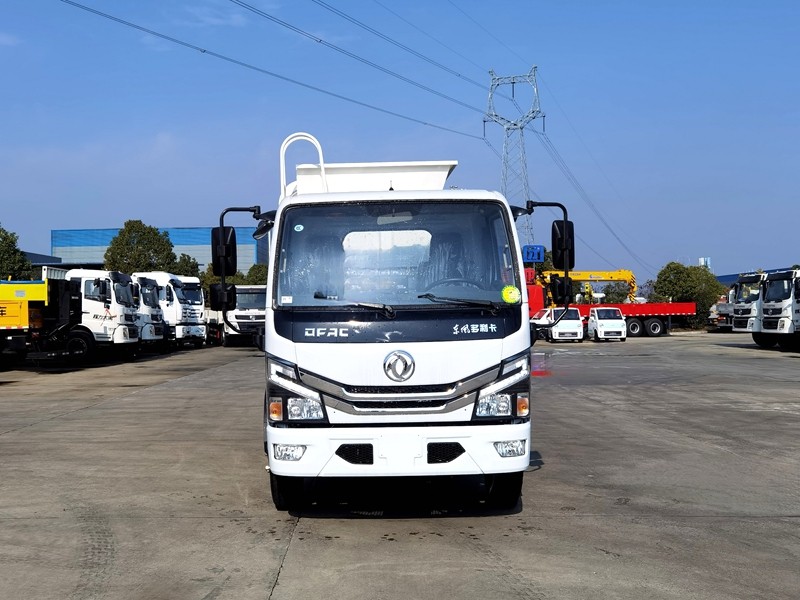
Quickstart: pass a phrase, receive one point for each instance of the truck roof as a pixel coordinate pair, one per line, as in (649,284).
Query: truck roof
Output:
(394,196)
(371,176)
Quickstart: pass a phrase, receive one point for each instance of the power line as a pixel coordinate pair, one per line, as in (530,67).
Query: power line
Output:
(352,55)
(265,71)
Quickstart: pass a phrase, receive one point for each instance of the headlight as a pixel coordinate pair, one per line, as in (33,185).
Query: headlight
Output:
(495,401)
(297,403)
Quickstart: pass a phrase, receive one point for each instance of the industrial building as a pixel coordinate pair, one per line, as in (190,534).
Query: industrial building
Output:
(88,246)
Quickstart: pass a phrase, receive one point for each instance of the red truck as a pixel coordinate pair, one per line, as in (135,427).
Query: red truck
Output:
(650,318)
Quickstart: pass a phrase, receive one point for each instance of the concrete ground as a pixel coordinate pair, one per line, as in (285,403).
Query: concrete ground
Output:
(662,468)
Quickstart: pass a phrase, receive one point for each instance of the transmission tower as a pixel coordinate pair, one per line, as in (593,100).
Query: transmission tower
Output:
(514,184)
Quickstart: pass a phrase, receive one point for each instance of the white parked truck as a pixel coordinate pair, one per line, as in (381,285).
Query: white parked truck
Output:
(397,337)
(245,322)
(781,306)
(748,311)
(182,300)
(105,301)
(606,323)
(149,315)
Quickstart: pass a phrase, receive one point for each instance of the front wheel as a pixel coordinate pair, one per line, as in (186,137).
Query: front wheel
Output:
(765,340)
(287,492)
(505,490)
(80,345)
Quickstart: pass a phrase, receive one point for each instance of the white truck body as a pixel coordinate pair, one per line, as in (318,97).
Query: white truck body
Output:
(183,304)
(781,307)
(149,315)
(247,318)
(107,308)
(396,335)
(606,324)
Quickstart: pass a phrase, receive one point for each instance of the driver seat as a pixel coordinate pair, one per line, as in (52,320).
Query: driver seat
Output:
(445,261)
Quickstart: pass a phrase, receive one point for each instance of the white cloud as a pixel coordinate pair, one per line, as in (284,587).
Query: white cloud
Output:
(6,39)
(213,17)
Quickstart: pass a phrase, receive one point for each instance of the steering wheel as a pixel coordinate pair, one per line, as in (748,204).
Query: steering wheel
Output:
(451,280)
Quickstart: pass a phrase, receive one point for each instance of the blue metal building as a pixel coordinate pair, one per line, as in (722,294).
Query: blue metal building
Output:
(76,246)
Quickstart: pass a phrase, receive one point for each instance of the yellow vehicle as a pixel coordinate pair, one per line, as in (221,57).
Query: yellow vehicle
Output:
(589,277)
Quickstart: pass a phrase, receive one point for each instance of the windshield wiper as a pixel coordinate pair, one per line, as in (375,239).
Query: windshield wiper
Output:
(493,306)
(386,309)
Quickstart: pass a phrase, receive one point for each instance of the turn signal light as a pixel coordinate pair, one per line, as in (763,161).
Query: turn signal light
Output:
(522,405)
(276,410)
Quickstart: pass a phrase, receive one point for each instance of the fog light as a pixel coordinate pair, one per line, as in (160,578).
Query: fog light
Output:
(510,448)
(288,451)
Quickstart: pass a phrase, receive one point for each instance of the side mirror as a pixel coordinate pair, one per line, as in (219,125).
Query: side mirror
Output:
(168,294)
(223,251)
(560,289)
(563,245)
(222,298)
(266,221)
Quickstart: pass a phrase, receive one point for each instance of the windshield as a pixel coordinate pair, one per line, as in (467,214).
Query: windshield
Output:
(572,314)
(609,313)
(189,293)
(251,300)
(123,294)
(778,290)
(148,292)
(392,253)
(748,292)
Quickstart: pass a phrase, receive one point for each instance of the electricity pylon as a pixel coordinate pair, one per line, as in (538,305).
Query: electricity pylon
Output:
(514,183)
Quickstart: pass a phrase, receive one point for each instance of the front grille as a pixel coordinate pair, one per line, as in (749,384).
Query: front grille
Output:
(444,452)
(404,404)
(396,389)
(356,454)
(771,323)
(614,333)
(158,330)
(740,323)
(741,311)
(772,311)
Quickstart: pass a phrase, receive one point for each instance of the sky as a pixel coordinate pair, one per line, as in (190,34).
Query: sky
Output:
(671,130)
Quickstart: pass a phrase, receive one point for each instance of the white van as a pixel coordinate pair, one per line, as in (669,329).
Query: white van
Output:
(606,324)
(569,328)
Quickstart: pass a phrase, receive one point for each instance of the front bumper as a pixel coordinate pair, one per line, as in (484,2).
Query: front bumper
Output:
(398,451)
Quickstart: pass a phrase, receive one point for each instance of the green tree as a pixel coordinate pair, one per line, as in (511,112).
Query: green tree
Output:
(680,283)
(616,292)
(13,262)
(187,266)
(257,275)
(139,247)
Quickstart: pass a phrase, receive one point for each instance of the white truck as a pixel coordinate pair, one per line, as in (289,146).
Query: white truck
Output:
(397,339)
(245,322)
(781,307)
(183,303)
(105,302)
(606,323)
(149,315)
(748,312)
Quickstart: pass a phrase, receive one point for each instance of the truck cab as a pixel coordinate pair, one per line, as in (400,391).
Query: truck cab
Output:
(397,340)
(606,323)
(748,311)
(106,305)
(183,304)
(149,315)
(781,306)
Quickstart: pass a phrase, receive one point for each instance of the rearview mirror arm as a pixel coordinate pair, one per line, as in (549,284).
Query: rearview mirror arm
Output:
(530,205)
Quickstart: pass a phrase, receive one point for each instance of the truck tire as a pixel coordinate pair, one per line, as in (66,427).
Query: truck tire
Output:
(287,492)
(765,340)
(596,337)
(635,327)
(80,345)
(789,342)
(654,327)
(504,490)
